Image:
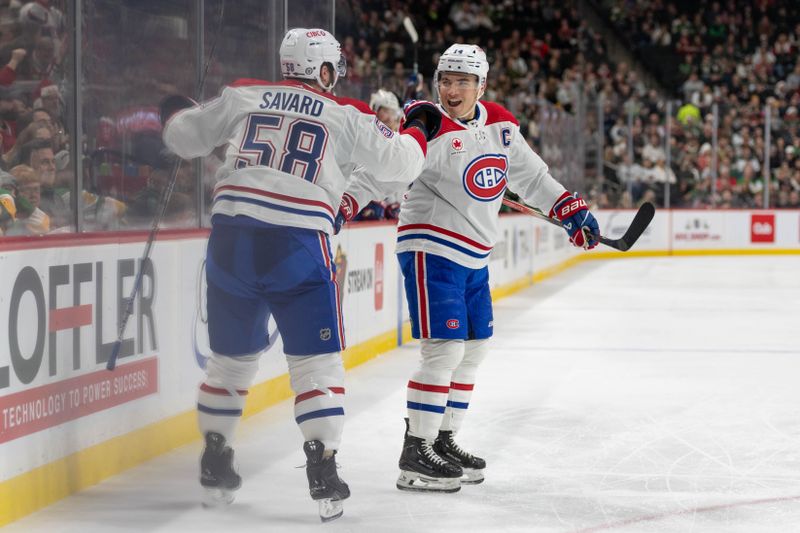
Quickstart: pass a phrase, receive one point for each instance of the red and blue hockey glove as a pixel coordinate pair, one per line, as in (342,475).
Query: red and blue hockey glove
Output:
(348,208)
(392,211)
(580,224)
(171,104)
(373,211)
(423,115)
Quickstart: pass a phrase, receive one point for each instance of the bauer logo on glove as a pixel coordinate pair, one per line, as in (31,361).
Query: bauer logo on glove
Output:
(579,223)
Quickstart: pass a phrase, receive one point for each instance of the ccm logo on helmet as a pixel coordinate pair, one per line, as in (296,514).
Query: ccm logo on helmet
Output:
(485,177)
(316,33)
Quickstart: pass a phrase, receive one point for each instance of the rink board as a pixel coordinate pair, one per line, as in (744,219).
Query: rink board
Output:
(67,423)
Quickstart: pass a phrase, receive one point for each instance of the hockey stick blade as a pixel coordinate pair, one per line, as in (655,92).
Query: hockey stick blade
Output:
(639,223)
(623,244)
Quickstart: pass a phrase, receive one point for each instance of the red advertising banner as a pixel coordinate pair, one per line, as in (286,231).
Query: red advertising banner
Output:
(39,408)
(762,227)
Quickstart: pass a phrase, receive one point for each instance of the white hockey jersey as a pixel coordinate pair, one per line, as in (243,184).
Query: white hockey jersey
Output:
(451,209)
(290,150)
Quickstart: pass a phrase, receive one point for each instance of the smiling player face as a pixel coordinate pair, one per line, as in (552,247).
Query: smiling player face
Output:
(459,94)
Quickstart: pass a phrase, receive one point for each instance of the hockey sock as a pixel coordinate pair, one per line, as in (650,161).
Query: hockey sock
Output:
(221,398)
(318,383)
(462,383)
(430,384)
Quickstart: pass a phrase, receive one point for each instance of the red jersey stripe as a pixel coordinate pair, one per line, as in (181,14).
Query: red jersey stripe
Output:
(447,232)
(286,198)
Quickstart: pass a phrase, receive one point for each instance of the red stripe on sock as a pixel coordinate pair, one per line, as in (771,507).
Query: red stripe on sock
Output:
(220,392)
(425,387)
(314,393)
(461,386)
(308,395)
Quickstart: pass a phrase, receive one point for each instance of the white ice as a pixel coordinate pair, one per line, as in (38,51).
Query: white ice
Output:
(648,395)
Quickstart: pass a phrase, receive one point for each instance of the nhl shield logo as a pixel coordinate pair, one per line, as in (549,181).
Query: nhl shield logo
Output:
(485,177)
(325,334)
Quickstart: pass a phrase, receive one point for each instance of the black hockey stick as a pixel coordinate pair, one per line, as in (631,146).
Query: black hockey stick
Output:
(163,203)
(640,222)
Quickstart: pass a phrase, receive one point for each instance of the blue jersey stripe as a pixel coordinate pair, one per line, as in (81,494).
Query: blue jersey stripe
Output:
(457,405)
(277,207)
(447,243)
(333,411)
(221,412)
(425,407)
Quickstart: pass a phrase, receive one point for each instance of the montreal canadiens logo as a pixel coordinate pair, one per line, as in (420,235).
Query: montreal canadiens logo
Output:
(485,177)
(452,323)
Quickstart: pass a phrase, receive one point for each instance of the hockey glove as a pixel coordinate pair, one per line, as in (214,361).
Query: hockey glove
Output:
(392,211)
(348,208)
(373,211)
(580,224)
(423,115)
(171,104)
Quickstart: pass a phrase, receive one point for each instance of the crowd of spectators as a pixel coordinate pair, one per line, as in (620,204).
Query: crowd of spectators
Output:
(34,175)
(738,58)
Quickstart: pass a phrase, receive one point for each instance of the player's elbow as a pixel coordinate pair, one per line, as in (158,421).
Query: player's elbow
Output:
(405,168)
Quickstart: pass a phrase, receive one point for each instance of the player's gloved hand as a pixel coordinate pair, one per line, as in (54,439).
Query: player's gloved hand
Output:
(580,224)
(171,104)
(373,211)
(423,115)
(392,211)
(348,208)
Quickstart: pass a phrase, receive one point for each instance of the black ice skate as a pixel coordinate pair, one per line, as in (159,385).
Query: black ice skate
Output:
(445,447)
(324,484)
(217,474)
(422,470)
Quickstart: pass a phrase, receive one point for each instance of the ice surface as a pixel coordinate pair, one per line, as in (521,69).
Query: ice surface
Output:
(646,395)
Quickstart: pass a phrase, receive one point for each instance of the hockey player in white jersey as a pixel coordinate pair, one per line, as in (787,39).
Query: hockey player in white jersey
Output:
(448,226)
(289,146)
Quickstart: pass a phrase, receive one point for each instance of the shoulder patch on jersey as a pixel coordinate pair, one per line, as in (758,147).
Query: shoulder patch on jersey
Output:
(385,130)
(497,113)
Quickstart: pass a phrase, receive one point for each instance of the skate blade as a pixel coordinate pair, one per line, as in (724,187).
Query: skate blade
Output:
(330,509)
(411,481)
(472,477)
(215,497)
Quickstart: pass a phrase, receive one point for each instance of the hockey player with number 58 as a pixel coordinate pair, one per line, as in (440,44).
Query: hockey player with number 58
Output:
(290,147)
(448,226)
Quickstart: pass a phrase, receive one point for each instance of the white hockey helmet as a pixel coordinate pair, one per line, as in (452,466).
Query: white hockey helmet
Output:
(304,51)
(383,98)
(466,58)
